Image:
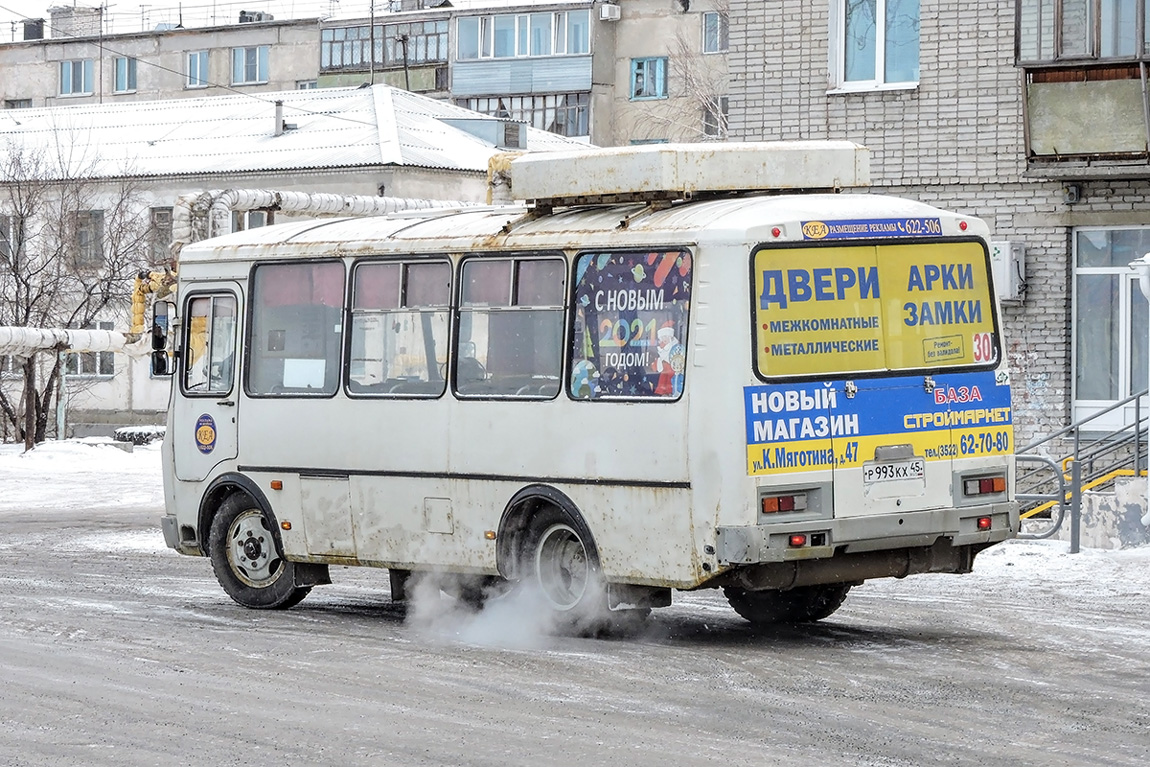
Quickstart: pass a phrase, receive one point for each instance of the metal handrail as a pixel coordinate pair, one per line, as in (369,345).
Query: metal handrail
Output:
(1097,450)
(1059,498)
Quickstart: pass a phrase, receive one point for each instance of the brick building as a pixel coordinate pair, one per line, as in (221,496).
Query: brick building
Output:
(954,117)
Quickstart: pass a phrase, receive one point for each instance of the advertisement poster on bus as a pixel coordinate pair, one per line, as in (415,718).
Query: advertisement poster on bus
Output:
(630,337)
(871,308)
(817,426)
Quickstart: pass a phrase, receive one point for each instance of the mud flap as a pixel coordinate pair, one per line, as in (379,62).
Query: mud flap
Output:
(308,574)
(621,596)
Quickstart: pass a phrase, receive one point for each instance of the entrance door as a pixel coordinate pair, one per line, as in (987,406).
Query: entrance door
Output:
(204,410)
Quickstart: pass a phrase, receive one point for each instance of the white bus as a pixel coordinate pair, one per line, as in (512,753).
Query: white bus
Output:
(654,377)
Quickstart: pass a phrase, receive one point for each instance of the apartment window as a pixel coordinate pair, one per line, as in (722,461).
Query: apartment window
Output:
(125,74)
(1110,317)
(877,42)
(160,235)
(251,219)
(250,65)
(564,33)
(17,103)
(649,78)
(76,77)
(385,45)
(92,363)
(567,114)
(715,117)
(89,239)
(1054,30)
(715,32)
(198,69)
(11,240)
(306,85)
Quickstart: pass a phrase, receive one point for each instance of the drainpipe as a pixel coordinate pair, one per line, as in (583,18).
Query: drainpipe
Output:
(1142,267)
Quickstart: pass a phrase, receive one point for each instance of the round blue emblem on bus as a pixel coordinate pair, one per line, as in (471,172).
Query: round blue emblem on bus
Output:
(206,434)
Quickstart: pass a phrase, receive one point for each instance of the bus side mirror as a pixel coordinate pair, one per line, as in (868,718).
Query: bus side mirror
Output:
(161,361)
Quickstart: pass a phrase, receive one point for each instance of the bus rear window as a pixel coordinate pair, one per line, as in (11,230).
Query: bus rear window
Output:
(631,311)
(873,308)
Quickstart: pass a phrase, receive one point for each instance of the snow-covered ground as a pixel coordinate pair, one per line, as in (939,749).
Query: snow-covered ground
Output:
(67,477)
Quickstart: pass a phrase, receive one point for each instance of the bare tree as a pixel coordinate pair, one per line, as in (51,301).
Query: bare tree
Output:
(70,245)
(696,109)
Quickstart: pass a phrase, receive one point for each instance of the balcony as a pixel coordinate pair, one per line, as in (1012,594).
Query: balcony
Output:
(1086,107)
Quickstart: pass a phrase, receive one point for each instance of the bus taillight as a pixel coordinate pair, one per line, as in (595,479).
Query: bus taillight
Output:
(776,503)
(984,485)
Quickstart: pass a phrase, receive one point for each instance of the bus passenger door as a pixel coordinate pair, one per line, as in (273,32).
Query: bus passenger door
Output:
(204,408)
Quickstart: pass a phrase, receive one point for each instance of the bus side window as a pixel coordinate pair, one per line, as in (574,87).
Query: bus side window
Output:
(296,328)
(209,350)
(510,328)
(630,320)
(399,328)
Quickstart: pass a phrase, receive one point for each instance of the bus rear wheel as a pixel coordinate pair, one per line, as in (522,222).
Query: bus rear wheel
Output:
(560,565)
(801,605)
(247,560)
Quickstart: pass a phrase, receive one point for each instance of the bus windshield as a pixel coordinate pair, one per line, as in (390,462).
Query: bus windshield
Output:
(873,308)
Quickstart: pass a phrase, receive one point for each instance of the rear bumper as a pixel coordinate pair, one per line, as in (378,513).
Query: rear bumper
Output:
(854,549)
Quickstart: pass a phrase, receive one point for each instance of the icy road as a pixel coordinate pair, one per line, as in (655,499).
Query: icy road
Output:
(116,651)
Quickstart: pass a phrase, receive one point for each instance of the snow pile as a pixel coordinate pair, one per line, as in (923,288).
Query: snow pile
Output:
(79,474)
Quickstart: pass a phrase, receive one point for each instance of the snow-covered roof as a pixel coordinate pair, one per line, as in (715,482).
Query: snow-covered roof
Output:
(334,128)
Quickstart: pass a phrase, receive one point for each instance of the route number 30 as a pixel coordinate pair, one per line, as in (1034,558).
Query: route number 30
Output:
(983,347)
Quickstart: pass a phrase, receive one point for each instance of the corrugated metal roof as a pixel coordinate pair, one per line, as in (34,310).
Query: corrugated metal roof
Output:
(334,128)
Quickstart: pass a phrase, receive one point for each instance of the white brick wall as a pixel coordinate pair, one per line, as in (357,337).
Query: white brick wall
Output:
(955,141)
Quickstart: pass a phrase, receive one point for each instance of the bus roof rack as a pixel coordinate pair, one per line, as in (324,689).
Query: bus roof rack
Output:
(687,171)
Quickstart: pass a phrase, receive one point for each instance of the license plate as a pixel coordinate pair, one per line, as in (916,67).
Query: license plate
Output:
(892,471)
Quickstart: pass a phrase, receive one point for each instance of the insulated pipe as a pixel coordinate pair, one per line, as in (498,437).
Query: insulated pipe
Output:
(207,214)
(21,342)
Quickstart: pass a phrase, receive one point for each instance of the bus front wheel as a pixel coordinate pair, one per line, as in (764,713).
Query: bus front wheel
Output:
(247,560)
(800,605)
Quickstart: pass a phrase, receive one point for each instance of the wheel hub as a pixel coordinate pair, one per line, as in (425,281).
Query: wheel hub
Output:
(251,551)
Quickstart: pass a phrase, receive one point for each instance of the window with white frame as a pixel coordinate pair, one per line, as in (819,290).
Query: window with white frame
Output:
(251,219)
(564,33)
(877,42)
(1110,318)
(715,117)
(715,32)
(567,114)
(306,85)
(76,77)
(197,69)
(92,363)
(649,78)
(250,65)
(125,74)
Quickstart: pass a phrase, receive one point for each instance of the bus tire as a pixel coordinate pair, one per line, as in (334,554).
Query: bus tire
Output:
(802,605)
(247,560)
(561,566)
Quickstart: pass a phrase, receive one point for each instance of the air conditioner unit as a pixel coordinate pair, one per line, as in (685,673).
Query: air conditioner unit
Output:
(610,12)
(1008,263)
